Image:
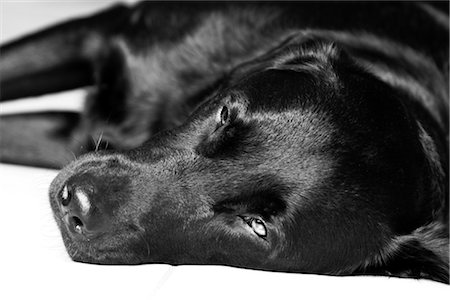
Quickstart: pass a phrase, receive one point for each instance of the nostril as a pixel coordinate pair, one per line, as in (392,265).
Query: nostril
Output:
(65,196)
(79,212)
(77,224)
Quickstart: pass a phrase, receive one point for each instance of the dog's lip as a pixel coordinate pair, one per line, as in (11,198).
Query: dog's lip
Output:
(90,251)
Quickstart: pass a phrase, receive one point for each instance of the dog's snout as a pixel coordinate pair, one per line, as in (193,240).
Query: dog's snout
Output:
(80,213)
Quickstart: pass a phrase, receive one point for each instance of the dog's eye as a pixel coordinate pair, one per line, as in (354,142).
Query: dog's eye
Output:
(224,116)
(257,226)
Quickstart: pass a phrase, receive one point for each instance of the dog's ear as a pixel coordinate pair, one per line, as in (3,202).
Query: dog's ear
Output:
(297,53)
(58,58)
(422,254)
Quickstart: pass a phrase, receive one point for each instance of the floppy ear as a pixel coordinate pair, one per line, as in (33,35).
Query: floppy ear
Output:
(299,52)
(422,254)
(56,59)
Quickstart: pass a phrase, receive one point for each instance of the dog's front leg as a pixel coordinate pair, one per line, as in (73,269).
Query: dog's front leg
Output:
(150,65)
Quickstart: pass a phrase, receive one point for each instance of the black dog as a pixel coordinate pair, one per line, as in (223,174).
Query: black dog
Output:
(301,137)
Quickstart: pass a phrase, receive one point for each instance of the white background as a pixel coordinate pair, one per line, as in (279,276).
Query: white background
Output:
(33,262)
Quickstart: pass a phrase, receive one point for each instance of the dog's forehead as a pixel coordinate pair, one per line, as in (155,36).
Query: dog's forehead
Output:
(280,90)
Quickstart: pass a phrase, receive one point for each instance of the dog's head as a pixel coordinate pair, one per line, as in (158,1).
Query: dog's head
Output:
(303,162)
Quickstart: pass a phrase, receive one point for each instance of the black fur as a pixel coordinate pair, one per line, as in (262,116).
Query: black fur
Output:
(299,137)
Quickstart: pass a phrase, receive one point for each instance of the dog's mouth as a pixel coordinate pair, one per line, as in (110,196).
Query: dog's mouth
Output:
(111,247)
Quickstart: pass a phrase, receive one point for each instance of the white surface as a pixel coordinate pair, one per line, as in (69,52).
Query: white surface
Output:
(65,101)
(34,264)
(25,16)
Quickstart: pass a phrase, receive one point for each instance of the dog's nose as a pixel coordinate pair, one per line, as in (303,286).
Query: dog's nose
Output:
(79,211)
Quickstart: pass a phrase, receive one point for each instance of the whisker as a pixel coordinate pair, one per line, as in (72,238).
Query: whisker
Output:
(93,139)
(98,142)
(141,235)
(67,158)
(73,154)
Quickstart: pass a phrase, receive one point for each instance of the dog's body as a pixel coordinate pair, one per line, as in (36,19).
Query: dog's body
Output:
(304,137)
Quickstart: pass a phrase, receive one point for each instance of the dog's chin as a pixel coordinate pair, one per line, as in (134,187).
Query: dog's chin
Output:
(86,251)
(88,254)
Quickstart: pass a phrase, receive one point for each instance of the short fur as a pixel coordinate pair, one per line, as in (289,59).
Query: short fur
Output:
(298,137)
